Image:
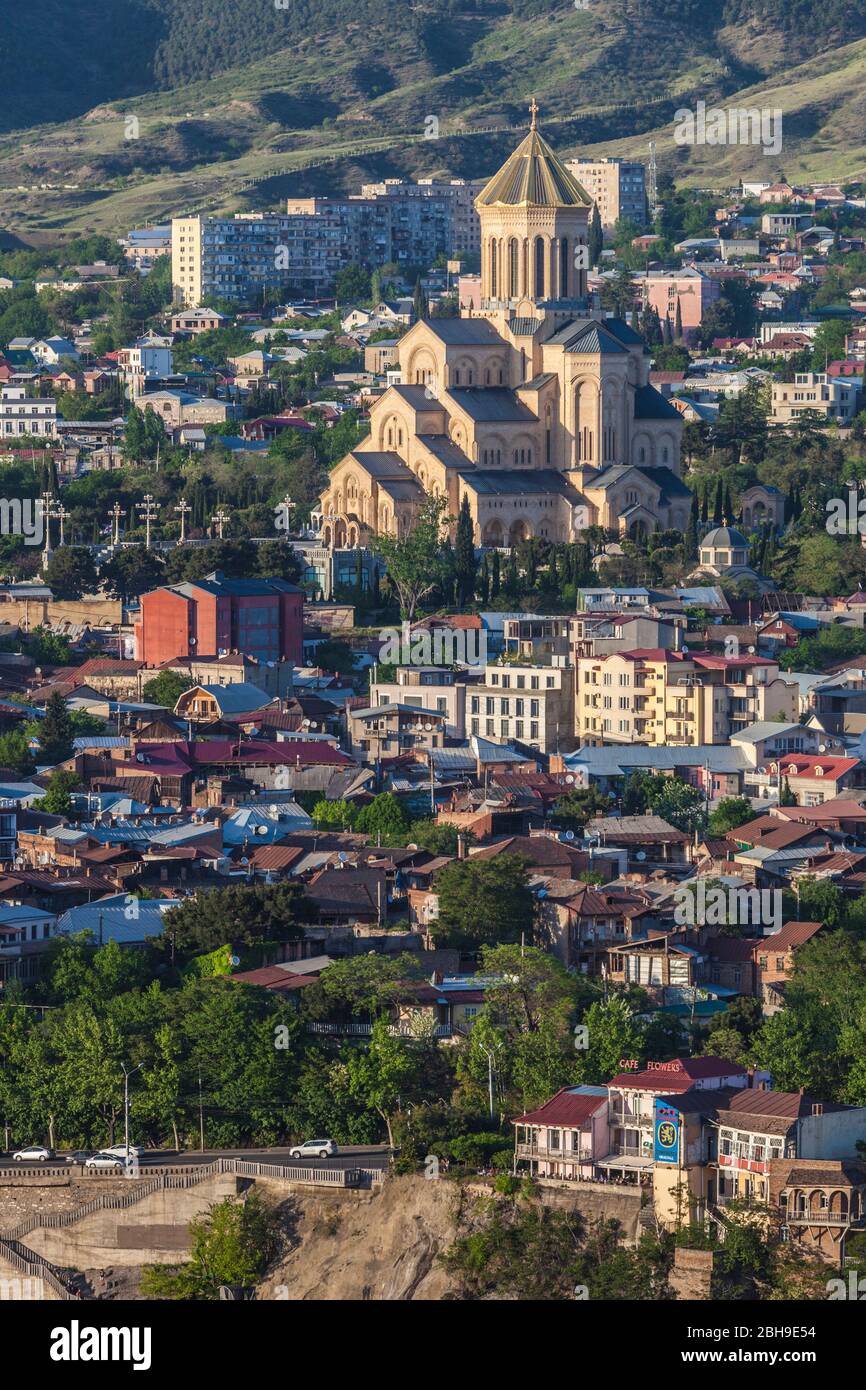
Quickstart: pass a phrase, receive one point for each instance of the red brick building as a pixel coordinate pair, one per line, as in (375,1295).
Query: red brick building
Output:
(262,618)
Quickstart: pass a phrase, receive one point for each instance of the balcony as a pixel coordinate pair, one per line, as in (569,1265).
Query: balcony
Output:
(821,1216)
(557,1155)
(630,1119)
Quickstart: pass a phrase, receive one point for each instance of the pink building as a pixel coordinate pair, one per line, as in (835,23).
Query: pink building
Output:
(693,291)
(469,292)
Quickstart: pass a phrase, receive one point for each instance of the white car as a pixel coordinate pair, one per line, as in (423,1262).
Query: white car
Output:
(36,1153)
(105,1161)
(315,1148)
(121,1151)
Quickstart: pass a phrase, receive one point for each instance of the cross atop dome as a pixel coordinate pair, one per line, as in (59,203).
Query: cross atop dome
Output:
(533,112)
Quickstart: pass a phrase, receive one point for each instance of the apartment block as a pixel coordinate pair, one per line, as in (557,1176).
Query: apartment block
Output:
(533,705)
(243,257)
(693,291)
(664,698)
(836,398)
(20,414)
(616,186)
(438,689)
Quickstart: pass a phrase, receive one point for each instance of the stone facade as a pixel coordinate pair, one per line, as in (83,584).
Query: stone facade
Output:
(534,408)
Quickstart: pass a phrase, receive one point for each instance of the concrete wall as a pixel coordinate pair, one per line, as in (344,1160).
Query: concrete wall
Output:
(151,1230)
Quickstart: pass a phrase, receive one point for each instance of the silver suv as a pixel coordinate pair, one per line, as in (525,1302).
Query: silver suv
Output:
(315,1148)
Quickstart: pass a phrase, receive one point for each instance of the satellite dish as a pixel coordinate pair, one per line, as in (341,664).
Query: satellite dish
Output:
(235,960)
(762,771)
(822,748)
(569,834)
(261,830)
(569,779)
(313,724)
(542,893)
(640,856)
(751,651)
(305,723)
(685,651)
(343,857)
(428,728)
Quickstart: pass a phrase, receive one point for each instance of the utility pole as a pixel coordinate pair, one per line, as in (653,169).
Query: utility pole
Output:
(200,1116)
(126,1076)
(489,1053)
(219,519)
(183,507)
(149,510)
(114,515)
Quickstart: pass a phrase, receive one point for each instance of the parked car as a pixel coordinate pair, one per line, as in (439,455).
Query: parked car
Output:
(34,1153)
(315,1148)
(121,1151)
(105,1161)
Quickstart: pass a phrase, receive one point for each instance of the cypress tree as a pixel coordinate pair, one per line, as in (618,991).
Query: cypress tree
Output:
(728,507)
(483,582)
(705,506)
(678,323)
(718,510)
(496,578)
(464,554)
(595,239)
(55,731)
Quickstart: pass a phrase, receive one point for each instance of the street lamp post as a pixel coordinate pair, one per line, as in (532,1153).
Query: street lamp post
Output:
(114,515)
(489,1053)
(126,1075)
(149,510)
(219,519)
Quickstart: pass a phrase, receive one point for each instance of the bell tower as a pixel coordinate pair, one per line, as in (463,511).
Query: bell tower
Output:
(534,230)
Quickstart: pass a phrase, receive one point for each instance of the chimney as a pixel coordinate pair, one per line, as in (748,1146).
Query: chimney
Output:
(461,846)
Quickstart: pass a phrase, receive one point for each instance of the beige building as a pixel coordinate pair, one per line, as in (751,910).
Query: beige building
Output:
(666,699)
(836,398)
(194,320)
(378,357)
(533,705)
(616,186)
(436,688)
(537,412)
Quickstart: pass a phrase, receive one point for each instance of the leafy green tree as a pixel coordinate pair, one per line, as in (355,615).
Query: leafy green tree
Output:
(384,819)
(613,1034)
(245,916)
(232,1244)
(340,814)
(166,688)
(383,1075)
(57,800)
(15,753)
(416,563)
(55,731)
(575,808)
(730,812)
(70,572)
(483,902)
(131,572)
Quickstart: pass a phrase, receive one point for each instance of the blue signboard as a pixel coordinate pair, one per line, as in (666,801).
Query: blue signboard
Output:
(666,1133)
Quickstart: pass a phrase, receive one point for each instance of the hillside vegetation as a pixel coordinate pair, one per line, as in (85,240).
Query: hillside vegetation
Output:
(233,100)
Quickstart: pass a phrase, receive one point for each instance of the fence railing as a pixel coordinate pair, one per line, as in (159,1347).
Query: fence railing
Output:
(184,1177)
(35,1266)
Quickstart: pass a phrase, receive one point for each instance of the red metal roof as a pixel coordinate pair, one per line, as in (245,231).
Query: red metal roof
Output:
(565,1108)
(679,1075)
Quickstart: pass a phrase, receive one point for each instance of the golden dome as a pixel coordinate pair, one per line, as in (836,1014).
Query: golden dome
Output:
(533,176)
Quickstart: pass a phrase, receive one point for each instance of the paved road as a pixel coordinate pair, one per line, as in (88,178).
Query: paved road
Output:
(351,1156)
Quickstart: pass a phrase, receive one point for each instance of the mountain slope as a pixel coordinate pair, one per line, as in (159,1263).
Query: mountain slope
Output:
(231,100)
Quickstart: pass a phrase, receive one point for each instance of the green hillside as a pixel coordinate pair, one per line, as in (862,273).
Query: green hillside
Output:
(122,110)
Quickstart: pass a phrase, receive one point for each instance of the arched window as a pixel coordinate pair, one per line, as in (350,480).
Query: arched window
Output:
(563,268)
(493,270)
(512,268)
(539,267)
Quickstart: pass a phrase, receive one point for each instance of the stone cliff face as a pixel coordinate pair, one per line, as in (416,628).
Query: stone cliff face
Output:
(380,1246)
(384,1244)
